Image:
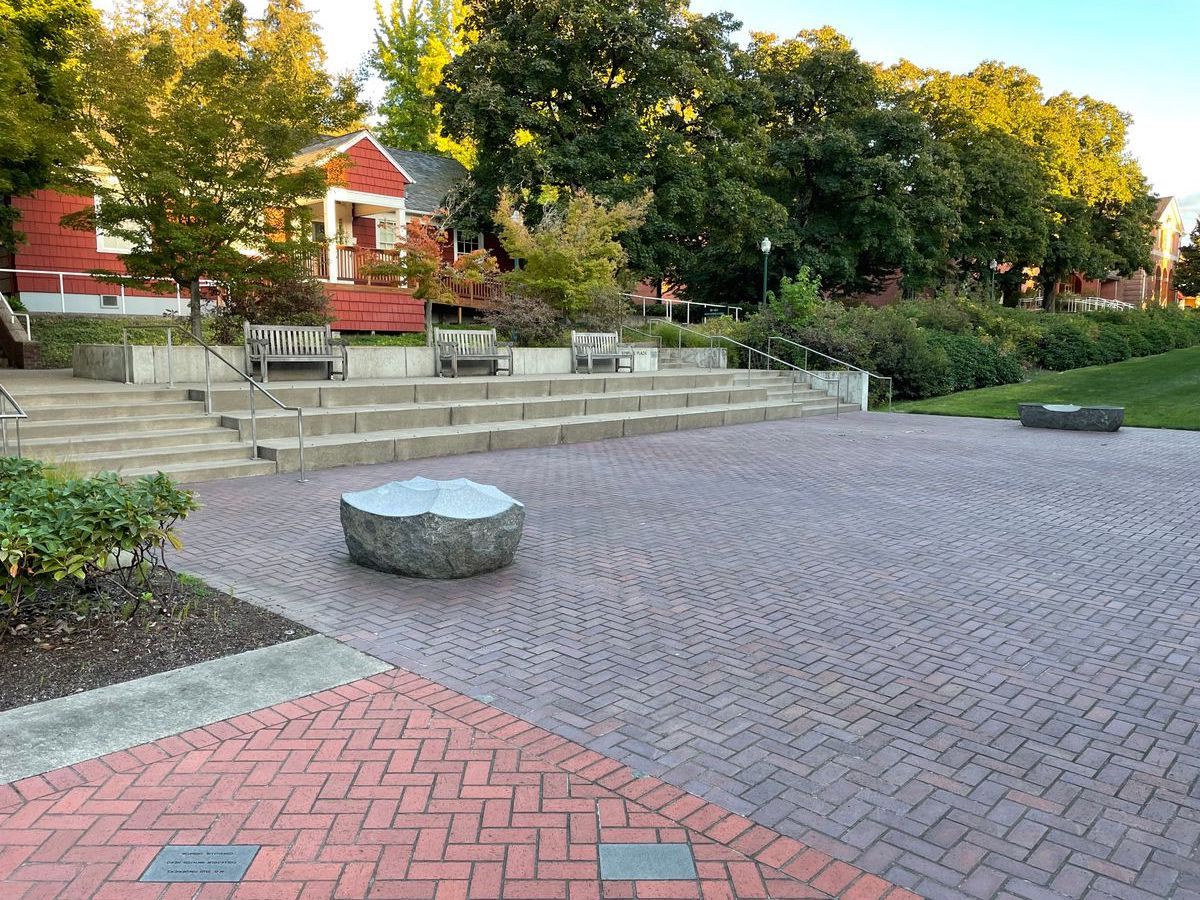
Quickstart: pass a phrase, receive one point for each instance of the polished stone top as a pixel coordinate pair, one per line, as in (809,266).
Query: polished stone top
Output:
(459,498)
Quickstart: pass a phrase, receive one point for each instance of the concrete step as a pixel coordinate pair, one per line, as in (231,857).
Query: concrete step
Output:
(69,447)
(191,473)
(121,410)
(153,458)
(31,400)
(337,394)
(332,450)
(116,425)
(279,423)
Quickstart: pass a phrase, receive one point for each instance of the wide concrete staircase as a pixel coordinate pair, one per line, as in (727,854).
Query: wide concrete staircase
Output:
(137,431)
(132,431)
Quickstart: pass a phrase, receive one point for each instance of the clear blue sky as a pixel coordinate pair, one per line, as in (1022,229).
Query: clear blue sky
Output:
(1142,56)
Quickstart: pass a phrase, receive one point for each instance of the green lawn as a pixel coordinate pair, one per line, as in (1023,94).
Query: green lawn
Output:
(1157,392)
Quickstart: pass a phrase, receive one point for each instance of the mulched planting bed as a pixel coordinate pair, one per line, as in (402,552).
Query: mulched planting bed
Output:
(49,648)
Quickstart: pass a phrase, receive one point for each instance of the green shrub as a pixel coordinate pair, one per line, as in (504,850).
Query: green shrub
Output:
(54,528)
(410,339)
(58,333)
(1112,345)
(974,363)
(1064,344)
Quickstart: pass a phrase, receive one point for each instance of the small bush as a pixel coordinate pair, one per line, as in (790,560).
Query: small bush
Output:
(1065,345)
(975,363)
(286,294)
(527,320)
(55,529)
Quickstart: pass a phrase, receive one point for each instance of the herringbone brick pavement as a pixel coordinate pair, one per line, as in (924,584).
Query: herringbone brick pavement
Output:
(391,787)
(955,653)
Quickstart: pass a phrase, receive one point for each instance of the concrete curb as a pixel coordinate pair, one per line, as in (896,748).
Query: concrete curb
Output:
(45,736)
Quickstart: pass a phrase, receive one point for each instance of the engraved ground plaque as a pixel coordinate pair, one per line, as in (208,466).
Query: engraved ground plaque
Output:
(195,863)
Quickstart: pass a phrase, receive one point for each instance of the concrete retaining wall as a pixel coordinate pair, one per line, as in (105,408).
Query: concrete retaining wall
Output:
(148,364)
(693,357)
(852,386)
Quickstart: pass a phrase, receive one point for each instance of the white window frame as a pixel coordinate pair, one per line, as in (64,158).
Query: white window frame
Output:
(381,225)
(478,244)
(107,243)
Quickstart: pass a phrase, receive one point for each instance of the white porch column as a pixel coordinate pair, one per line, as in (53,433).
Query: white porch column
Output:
(331,230)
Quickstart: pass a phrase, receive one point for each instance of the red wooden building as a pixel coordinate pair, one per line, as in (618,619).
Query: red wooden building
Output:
(373,194)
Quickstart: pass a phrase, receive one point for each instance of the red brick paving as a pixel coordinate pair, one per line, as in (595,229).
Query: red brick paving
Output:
(390,787)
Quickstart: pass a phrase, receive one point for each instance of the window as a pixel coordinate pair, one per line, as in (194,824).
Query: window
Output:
(109,301)
(385,233)
(466,242)
(109,243)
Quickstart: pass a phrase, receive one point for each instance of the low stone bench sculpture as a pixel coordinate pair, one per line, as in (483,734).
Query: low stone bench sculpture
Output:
(1070,417)
(432,529)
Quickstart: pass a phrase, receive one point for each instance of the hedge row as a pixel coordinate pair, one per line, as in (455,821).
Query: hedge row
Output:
(948,344)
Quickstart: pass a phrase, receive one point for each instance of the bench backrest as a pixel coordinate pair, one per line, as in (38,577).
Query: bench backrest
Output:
(603,341)
(467,342)
(291,340)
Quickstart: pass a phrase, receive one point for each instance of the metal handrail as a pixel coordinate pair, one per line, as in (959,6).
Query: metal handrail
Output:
(767,357)
(668,302)
(651,335)
(253,385)
(102,278)
(17,414)
(13,315)
(841,362)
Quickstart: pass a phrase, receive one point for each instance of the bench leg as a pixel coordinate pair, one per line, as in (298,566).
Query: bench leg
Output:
(265,377)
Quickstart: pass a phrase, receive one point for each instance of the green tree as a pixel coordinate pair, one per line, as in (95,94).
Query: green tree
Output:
(39,44)
(414,42)
(571,259)
(1187,270)
(617,100)
(868,191)
(192,131)
(1095,206)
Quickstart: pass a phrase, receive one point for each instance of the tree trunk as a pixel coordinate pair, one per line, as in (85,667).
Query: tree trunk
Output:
(429,323)
(194,309)
(1050,294)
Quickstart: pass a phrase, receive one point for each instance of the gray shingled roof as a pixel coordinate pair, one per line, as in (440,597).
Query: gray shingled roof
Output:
(433,178)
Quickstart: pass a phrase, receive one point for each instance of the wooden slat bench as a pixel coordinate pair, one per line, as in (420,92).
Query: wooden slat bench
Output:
(266,344)
(589,346)
(455,345)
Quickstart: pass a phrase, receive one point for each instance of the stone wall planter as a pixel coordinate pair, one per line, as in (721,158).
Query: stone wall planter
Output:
(1071,418)
(432,529)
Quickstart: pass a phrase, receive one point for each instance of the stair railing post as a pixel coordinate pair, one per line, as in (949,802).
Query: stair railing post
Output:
(125,352)
(170,368)
(300,436)
(207,384)
(253,425)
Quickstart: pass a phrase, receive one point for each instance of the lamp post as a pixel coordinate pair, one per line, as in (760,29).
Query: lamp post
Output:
(993,265)
(765,246)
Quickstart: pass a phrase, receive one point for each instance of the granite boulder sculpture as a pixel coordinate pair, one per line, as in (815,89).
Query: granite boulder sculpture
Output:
(432,529)
(1071,418)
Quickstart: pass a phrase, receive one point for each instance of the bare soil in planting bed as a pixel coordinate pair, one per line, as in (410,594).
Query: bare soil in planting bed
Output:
(73,640)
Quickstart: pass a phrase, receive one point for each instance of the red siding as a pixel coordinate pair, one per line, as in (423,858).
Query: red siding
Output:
(50,246)
(363,309)
(370,171)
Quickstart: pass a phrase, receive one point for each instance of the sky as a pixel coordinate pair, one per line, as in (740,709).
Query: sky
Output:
(1143,57)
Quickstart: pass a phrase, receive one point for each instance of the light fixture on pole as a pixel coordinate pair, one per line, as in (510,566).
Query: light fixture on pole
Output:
(765,246)
(993,265)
